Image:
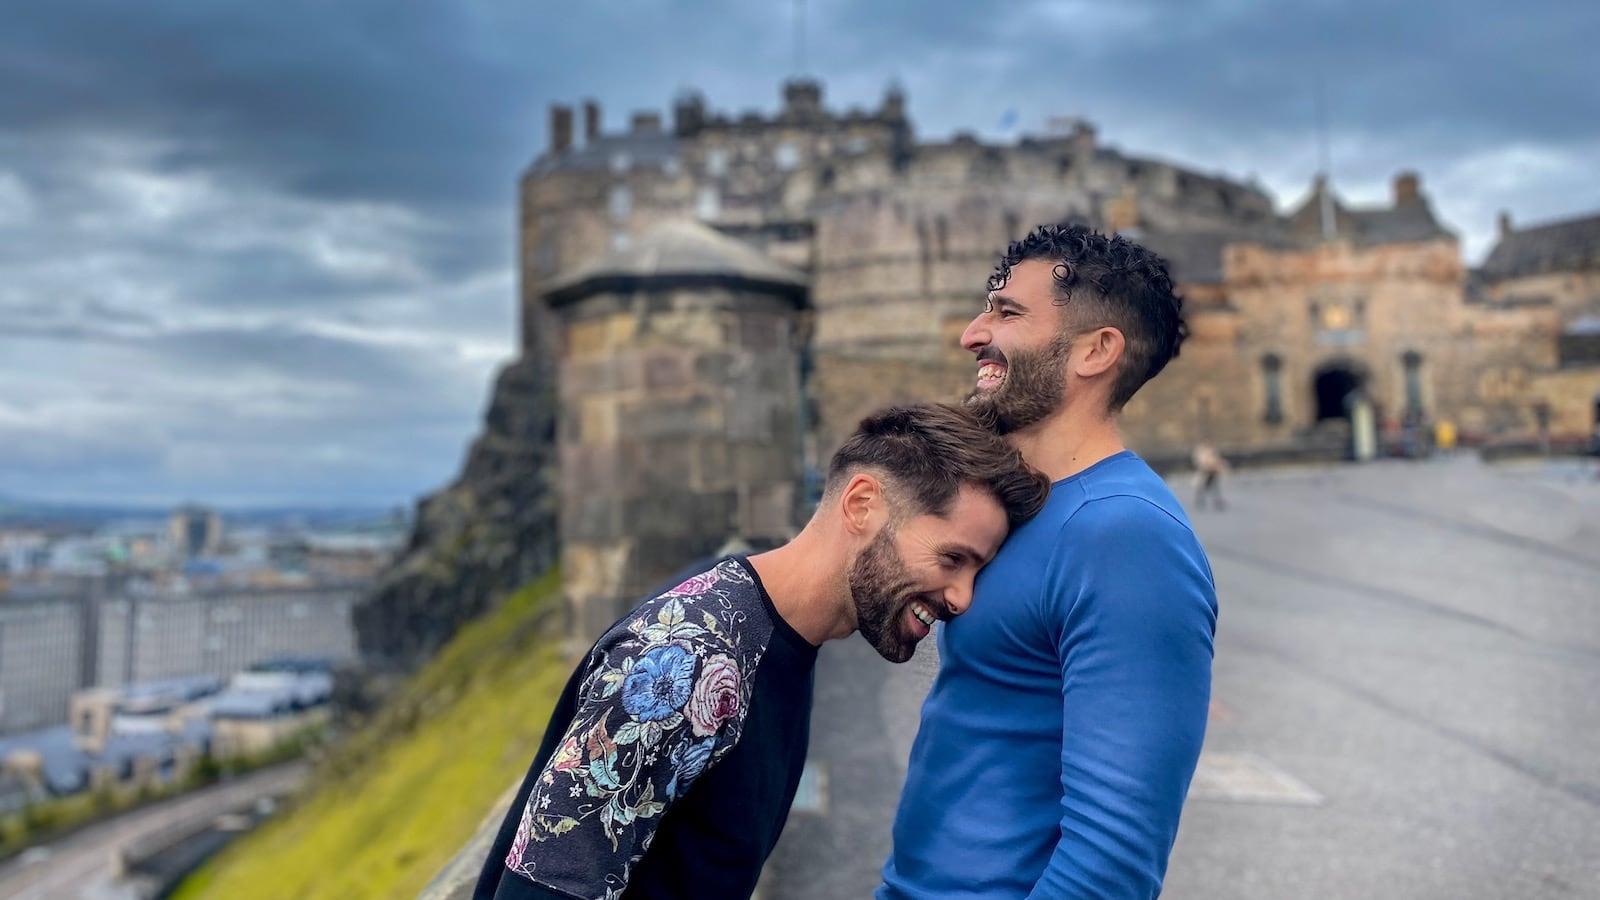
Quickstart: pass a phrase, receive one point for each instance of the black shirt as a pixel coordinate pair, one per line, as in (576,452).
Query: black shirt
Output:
(672,757)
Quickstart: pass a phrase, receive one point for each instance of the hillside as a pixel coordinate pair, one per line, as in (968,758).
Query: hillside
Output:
(399,798)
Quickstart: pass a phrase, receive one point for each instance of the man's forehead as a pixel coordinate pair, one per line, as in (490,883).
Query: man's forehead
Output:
(971,517)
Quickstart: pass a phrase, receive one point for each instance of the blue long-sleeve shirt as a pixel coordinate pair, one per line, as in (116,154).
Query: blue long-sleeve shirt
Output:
(1058,741)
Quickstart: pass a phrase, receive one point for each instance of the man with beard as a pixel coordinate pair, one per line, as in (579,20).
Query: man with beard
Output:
(669,765)
(1058,741)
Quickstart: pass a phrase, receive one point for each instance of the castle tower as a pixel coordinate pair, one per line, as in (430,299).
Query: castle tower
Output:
(679,425)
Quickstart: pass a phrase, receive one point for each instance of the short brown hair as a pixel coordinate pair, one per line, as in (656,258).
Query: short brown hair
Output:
(928,451)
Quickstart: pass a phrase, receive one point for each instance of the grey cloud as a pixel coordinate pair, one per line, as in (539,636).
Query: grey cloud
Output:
(353,166)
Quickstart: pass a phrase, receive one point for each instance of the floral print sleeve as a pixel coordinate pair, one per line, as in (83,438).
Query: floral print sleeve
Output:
(663,698)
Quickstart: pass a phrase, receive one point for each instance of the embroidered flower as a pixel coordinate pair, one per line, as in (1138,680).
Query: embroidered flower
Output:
(568,756)
(659,684)
(688,760)
(716,696)
(699,584)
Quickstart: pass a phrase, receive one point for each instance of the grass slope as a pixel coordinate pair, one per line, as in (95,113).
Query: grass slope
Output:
(404,793)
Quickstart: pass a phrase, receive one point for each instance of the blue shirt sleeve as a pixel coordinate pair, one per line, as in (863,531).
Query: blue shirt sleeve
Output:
(1134,623)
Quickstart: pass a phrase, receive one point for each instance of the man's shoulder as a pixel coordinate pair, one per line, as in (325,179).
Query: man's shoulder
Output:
(719,609)
(1127,490)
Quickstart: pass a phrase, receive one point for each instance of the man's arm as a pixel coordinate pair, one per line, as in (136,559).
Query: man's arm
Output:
(660,704)
(1138,618)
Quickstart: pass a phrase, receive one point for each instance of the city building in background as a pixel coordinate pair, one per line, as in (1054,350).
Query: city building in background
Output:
(146,600)
(196,531)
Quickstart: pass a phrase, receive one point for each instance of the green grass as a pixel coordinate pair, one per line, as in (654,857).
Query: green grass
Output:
(399,798)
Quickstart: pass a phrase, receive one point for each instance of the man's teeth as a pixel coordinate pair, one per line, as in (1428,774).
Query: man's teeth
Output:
(923,614)
(990,370)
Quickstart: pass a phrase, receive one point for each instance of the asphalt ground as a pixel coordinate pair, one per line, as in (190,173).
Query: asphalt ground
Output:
(1406,697)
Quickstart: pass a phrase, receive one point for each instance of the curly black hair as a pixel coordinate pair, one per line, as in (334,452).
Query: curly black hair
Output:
(1128,289)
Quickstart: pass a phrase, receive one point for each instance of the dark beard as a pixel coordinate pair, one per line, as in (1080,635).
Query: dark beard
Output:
(880,587)
(1033,389)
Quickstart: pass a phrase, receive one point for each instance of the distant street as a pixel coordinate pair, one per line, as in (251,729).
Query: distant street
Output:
(1406,703)
(79,865)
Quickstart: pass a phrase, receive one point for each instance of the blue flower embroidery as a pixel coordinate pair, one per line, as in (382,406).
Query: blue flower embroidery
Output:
(659,684)
(688,761)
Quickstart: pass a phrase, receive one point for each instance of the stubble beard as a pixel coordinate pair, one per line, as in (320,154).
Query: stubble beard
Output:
(1033,389)
(880,587)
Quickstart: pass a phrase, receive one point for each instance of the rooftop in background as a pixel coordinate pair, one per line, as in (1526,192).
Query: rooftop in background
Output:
(1567,245)
(678,249)
(1408,219)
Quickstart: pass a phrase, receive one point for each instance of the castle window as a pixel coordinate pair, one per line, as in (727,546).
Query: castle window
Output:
(708,202)
(1272,375)
(620,202)
(786,156)
(716,162)
(1412,361)
(941,234)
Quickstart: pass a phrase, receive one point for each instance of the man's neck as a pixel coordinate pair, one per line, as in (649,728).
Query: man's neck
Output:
(806,590)
(1068,442)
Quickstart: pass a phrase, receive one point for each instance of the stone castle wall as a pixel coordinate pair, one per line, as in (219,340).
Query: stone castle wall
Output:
(680,428)
(688,415)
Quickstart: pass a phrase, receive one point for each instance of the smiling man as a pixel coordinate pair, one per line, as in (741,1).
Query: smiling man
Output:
(671,760)
(1060,736)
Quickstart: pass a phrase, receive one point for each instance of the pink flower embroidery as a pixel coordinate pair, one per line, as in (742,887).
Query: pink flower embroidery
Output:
(699,584)
(716,696)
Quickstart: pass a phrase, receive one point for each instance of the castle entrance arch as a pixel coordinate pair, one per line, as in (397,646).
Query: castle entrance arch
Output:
(1334,386)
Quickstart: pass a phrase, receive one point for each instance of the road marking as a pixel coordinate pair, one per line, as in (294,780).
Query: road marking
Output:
(812,794)
(1248,778)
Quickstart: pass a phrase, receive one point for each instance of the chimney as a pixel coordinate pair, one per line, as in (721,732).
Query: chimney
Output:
(1407,189)
(560,128)
(1082,142)
(688,114)
(802,97)
(646,123)
(1505,223)
(591,121)
(894,103)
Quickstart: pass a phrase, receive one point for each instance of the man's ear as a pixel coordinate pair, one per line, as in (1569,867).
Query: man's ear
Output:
(1100,351)
(861,503)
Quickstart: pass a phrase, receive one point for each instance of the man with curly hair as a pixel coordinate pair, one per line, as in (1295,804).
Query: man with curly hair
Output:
(1059,739)
(672,757)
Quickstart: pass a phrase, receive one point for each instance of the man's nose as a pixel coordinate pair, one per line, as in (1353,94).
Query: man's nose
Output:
(977,334)
(958,596)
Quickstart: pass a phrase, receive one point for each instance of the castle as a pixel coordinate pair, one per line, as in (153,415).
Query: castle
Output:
(724,297)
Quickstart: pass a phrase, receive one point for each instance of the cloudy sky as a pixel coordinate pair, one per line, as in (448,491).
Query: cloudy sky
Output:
(262,253)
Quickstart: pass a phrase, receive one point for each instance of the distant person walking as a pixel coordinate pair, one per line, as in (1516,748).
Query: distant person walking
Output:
(1209,467)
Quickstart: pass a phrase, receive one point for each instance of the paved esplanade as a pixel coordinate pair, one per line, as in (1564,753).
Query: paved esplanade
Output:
(1406,702)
